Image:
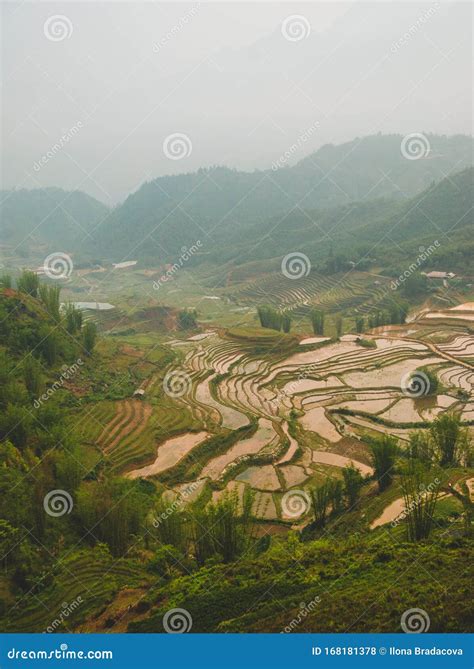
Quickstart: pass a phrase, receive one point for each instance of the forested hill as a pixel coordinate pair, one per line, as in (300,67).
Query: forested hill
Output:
(48,216)
(381,231)
(172,211)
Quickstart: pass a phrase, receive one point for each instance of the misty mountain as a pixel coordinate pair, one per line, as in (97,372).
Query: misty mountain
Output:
(45,216)
(214,205)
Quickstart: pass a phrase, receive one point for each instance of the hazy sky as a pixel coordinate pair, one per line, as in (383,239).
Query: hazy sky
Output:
(242,82)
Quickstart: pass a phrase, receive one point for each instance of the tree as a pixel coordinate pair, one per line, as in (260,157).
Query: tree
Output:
(187,319)
(432,383)
(420,494)
(73,319)
(317,321)
(49,296)
(421,447)
(270,318)
(464,496)
(222,530)
(28,282)
(321,497)
(384,451)
(32,376)
(415,285)
(286,322)
(359,323)
(89,335)
(5,281)
(450,440)
(353,482)
(339,326)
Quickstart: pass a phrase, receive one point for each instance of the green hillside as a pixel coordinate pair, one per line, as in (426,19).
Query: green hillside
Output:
(172,211)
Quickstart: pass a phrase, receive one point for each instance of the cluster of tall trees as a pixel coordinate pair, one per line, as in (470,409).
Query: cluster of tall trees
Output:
(274,319)
(49,339)
(220,531)
(335,496)
(395,314)
(187,319)
(425,470)
(317,321)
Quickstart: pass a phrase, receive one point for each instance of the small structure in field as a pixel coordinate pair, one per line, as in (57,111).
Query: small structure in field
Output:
(139,392)
(124,265)
(440,275)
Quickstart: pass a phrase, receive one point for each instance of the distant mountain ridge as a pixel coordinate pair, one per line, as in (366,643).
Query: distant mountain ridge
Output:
(245,216)
(173,211)
(46,216)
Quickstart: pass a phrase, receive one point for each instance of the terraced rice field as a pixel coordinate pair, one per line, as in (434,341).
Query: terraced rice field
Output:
(335,293)
(312,408)
(263,412)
